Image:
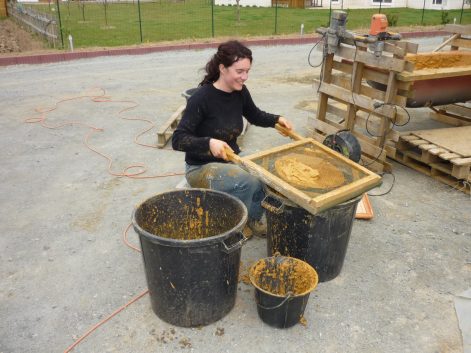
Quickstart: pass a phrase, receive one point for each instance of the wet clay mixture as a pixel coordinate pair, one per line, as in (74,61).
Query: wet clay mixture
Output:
(308,171)
(188,220)
(281,275)
(440,60)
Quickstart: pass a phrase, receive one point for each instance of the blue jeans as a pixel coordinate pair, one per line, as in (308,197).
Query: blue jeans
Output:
(231,179)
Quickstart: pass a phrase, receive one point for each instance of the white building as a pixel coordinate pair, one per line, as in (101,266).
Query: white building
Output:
(261,3)
(413,4)
(358,4)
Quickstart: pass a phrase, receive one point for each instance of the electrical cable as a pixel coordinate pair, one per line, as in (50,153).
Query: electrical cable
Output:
(140,168)
(390,188)
(117,311)
(310,52)
(109,317)
(321,64)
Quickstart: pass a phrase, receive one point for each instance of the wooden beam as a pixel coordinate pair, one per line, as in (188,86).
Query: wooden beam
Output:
(462,29)
(430,74)
(446,42)
(462,43)
(164,134)
(363,102)
(369,59)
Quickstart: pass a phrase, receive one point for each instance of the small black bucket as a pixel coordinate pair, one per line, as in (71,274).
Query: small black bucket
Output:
(319,239)
(191,244)
(187,94)
(282,287)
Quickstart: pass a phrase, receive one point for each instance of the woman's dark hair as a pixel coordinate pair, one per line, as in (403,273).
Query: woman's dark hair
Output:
(228,53)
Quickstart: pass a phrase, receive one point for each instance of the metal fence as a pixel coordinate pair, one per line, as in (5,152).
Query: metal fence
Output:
(43,24)
(87,23)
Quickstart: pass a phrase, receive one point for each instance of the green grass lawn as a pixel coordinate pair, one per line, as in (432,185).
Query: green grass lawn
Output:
(94,24)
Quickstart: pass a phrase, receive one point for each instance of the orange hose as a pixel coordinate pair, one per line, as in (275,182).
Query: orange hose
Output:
(125,239)
(114,313)
(140,168)
(138,174)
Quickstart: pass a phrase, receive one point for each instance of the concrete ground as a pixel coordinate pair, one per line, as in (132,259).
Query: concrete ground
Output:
(64,266)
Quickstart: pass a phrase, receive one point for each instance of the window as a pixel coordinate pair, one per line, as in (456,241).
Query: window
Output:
(437,2)
(385,1)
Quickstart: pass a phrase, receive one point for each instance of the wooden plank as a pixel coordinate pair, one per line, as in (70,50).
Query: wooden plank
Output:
(177,114)
(326,79)
(418,142)
(356,188)
(446,42)
(373,122)
(448,156)
(409,47)
(393,135)
(461,161)
(437,151)
(427,147)
(430,74)
(345,82)
(436,171)
(454,139)
(326,128)
(460,172)
(356,85)
(342,66)
(457,109)
(336,111)
(449,120)
(462,29)
(382,62)
(357,99)
(408,137)
(369,74)
(394,49)
(462,43)
(364,102)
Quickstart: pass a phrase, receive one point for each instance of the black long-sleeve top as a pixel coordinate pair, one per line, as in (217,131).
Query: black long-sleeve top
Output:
(212,113)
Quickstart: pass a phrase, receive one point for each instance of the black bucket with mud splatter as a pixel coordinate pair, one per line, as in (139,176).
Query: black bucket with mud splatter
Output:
(319,239)
(191,245)
(282,287)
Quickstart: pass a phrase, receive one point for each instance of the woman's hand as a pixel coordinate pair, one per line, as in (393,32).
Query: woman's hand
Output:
(217,148)
(284,123)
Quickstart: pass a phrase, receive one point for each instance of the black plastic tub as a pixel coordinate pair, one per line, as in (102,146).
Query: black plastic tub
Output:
(319,239)
(191,245)
(282,287)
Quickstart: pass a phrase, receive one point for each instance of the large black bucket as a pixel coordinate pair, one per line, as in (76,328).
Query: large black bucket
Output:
(191,244)
(321,239)
(282,287)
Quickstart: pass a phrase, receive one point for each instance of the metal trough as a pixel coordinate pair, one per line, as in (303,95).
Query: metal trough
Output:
(438,78)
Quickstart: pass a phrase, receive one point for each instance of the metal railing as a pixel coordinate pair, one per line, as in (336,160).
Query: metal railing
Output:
(43,24)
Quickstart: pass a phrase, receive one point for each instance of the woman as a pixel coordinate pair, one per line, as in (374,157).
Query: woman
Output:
(211,123)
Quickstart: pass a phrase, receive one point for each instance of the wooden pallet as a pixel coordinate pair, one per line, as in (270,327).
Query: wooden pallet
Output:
(348,101)
(455,114)
(452,114)
(166,130)
(440,163)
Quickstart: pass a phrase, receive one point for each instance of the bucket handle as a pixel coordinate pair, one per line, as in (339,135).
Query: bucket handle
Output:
(273,209)
(237,245)
(276,306)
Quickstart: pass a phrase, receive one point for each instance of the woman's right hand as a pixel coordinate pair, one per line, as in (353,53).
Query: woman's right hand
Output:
(217,148)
